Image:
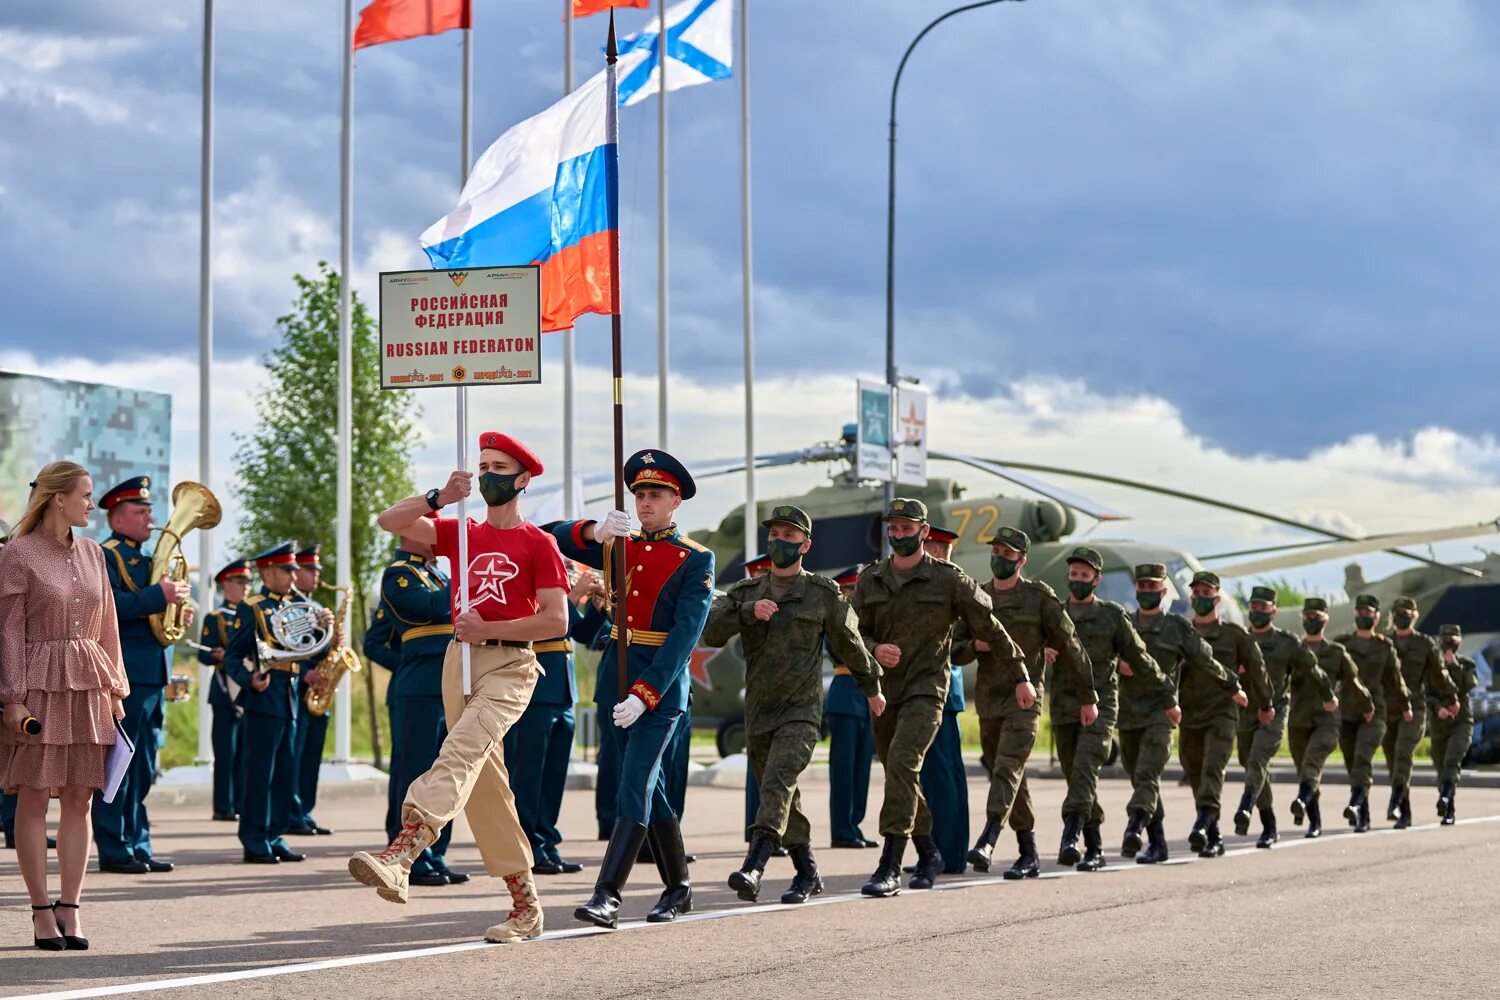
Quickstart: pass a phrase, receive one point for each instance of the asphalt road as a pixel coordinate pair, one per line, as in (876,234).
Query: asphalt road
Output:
(1379,914)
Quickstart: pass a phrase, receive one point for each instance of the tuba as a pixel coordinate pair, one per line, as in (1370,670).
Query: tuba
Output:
(341,661)
(193,506)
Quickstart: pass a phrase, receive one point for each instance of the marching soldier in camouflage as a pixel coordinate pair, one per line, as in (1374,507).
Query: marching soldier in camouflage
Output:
(1313,720)
(1452,726)
(1422,672)
(783,618)
(1149,712)
(908,604)
(1082,731)
(1288,663)
(1209,717)
(1359,738)
(1008,693)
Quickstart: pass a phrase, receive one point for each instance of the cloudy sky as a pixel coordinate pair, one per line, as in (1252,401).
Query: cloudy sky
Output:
(1245,249)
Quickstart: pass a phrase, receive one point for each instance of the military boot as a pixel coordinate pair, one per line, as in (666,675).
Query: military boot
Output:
(1156,845)
(1198,836)
(389,872)
(1357,797)
(1314,816)
(603,907)
(665,837)
(1397,791)
(1403,812)
(1449,818)
(929,863)
(524,921)
(1027,865)
(887,878)
(984,847)
(1363,826)
(1268,834)
(1067,850)
(1242,815)
(1300,804)
(1213,841)
(1130,846)
(807,882)
(746,881)
(1445,793)
(1093,849)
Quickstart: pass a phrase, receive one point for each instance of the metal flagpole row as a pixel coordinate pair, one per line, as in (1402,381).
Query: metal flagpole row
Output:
(661,225)
(205,366)
(344,528)
(752,519)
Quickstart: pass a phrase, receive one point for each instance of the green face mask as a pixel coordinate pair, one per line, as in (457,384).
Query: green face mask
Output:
(783,553)
(1204,606)
(1149,600)
(1259,619)
(1002,567)
(1365,621)
(498,490)
(908,545)
(1313,626)
(1402,620)
(1450,645)
(1081,589)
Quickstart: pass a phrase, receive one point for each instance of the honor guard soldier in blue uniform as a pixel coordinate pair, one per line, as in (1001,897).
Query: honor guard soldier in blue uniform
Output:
(945,783)
(539,746)
(416,613)
(270,696)
(218,625)
(312,729)
(659,611)
(122,830)
(851,747)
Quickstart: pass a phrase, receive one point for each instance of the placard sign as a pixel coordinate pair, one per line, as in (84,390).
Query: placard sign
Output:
(476,326)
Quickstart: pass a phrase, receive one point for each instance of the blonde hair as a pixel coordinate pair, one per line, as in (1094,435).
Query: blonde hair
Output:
(55,478)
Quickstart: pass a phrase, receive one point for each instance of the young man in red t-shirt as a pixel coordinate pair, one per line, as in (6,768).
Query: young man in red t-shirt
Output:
(517,593)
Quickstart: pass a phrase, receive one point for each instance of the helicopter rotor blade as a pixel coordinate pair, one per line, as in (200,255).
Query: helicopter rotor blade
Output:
(826,452)
(1168,491)
(1008,471)
(1339,550)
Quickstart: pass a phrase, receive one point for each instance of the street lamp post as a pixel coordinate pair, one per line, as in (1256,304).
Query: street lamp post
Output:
(890,217)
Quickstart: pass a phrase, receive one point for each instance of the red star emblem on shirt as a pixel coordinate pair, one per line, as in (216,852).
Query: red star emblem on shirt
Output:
(489,572)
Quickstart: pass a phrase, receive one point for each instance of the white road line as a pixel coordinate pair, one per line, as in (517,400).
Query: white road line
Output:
(150,986)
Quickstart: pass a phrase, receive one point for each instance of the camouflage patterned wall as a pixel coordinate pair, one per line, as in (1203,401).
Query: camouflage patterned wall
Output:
(114,433)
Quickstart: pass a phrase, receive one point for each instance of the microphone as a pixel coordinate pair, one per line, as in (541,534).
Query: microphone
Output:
(31,727)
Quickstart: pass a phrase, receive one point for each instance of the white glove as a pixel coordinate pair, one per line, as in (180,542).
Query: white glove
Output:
(629,711)
(616,524)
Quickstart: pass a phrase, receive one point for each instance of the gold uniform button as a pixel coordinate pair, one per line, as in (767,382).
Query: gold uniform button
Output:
(635,593)
(648,548)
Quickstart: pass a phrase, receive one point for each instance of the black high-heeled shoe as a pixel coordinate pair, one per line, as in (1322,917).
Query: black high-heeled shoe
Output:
(46,944)
(73,941)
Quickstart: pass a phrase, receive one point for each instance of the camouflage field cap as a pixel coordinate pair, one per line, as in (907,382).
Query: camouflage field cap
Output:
(1267,594)
(1207,578)
(1451,631)
(908,510)
(1404,604)
(794,517)
(1315,604)
(1084,554)
(1013,537)
(1367,601)
(1151,571)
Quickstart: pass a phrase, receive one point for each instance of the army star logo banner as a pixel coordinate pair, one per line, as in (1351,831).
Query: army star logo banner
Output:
(490,572)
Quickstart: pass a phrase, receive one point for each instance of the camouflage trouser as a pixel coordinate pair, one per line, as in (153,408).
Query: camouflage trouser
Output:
(1400,744)
(1145,753)
(777,759)
(1311,745)
(1205,751)
(903,732)
(1256,748)
(1450,742)
(1005,742)
(1359,740)
(1082,752)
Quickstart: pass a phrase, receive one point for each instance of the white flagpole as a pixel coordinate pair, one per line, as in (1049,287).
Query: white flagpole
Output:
(570,510)
(661,225)
(465,128)
(205,366)
(344,528)
(752,519)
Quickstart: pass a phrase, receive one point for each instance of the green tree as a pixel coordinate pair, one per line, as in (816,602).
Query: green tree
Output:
(288,464)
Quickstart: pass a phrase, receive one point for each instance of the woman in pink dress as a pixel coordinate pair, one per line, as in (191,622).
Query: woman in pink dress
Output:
(59,664)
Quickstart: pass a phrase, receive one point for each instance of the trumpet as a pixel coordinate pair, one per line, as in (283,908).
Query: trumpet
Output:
(193,506)
(341,661)
(297,627)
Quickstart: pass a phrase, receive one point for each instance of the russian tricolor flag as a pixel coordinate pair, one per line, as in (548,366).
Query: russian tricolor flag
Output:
(546,192)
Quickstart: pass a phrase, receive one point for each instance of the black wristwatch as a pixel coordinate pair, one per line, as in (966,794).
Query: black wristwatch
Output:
(432,499)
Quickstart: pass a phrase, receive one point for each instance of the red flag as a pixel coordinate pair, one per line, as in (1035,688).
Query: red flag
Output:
(583,8)
(393,20)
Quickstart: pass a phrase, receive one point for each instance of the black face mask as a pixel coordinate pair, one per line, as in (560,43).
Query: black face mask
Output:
(1364,621)
(1450,645)
(1402,621)
(1204,606)
(1313,626)
(1259,619)
(1149,600)
(1081,589)
(1003,568)
(910,545)
(783,553)
(498,490)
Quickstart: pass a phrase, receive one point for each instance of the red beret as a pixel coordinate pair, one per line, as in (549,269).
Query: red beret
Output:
(513,448)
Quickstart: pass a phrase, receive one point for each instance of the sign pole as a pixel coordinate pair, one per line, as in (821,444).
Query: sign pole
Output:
(612,118)
(462,397)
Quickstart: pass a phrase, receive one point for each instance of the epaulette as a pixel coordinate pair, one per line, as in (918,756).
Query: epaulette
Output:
(742,585)
(818,580)
(110,543)
(255,599)
(1118,608)
(688,543)
(1038,585)
(1235,627)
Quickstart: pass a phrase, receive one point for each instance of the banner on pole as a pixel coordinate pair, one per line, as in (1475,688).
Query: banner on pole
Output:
(911,437)
(872,445)
(444,328)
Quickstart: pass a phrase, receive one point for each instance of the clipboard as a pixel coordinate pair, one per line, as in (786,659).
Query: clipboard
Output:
(117,763)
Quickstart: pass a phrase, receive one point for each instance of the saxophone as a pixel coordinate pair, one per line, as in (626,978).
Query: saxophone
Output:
(341,660)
